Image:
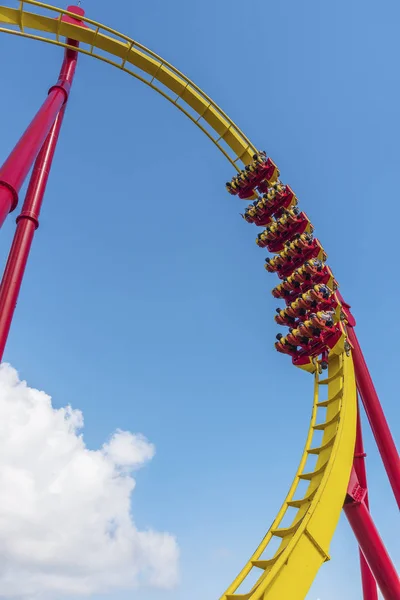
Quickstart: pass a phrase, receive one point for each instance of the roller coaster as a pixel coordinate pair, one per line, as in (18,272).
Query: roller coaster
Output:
(320,336)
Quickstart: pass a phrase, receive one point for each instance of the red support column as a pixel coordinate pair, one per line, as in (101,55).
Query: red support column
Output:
(371,544)
(17,166)
(376,417)
(370,591)
(27,223)
(42,135)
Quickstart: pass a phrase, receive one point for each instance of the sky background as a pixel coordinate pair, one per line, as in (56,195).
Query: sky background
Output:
(146,305)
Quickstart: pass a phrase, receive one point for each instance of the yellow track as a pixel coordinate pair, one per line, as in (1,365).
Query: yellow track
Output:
(288,572)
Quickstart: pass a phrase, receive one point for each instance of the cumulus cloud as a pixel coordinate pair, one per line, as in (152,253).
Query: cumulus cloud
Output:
(65,521)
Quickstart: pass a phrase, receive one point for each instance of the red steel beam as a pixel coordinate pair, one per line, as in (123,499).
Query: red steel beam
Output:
(370,590)
(373,548)
(42,135)
(376,417)
(27,223)
(17,166)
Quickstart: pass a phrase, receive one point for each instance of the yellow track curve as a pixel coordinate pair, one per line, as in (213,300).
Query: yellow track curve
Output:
(288,572)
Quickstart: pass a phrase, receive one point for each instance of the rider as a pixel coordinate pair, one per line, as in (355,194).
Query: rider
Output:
(295,337)
(295,309)
(323,319)
(282,318)
(283,346)
(320,293)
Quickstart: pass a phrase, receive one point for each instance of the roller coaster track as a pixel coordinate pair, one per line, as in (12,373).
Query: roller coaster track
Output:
(305,524)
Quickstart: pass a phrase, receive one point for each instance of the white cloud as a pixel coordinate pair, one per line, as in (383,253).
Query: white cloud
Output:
(65,521)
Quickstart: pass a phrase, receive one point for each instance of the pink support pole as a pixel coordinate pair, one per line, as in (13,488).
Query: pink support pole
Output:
(17,166)
(42,134)
(373,549)
(27,223)
(370,591)
(376,417)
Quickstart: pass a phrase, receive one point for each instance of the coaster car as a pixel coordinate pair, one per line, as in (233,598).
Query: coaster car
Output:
(261,172)
(318,298)
(279,197)
(260,212)
(296,253)
(300,281)
(304,349)
(290,224)
(331,342)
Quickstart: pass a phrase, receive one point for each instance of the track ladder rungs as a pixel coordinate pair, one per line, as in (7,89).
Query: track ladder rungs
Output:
(285,531)
(339,373)
(322,426)
(266,563)
(311,474)
(302,501)
(263,564)
(325,403)
(319,449)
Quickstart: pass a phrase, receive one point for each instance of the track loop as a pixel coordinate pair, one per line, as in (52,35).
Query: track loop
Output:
(288,573)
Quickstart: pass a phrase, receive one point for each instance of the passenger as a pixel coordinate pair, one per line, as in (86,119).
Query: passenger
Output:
(283,222)
(235,184)
(299,245)
(269,265)
(295,309)
(305,240)
(260,240)
(316,324)
(278,186)
(297,278)
(311,268)
(292,250)
(289,218)
(281,260)
(279,291)
(323,319)
(283,346)
(274,264)
(260,157)
(307,301)
(286,284)
(272,233)
(271,194)
(308,330)
(291,312)
(293,284)
(320,292)
(259,204)
(294,337)
(283,319)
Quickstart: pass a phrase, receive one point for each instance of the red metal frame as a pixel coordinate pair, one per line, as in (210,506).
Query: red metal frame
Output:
(370,590)
(379,425)
(40,137)
(369,540)
(17,166)
(27,223)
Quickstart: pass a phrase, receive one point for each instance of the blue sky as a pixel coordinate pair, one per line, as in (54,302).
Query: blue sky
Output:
(146,304)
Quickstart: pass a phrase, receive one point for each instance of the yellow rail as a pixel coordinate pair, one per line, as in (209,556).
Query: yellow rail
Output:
(288,573)
(136,60)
